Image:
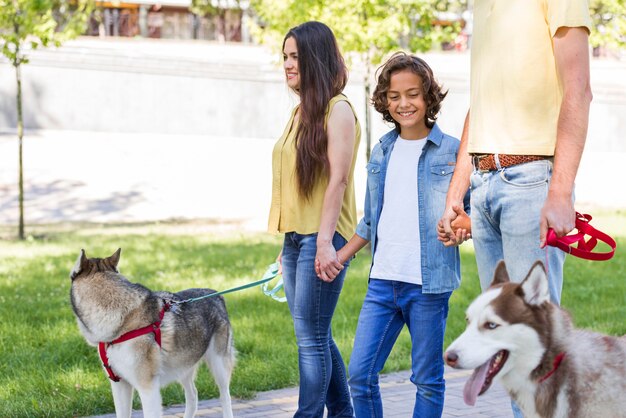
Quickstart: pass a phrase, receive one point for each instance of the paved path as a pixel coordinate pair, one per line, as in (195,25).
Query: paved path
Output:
(397,390)
(106,177)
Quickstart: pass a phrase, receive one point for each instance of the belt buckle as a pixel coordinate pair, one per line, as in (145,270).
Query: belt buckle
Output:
(476,162)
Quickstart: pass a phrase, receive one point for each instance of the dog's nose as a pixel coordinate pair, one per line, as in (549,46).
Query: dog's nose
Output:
(451,358)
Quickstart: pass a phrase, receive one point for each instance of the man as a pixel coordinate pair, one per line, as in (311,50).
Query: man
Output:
(524,134)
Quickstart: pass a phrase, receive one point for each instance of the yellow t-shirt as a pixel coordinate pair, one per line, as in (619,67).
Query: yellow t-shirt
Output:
(515,92)
(289,212)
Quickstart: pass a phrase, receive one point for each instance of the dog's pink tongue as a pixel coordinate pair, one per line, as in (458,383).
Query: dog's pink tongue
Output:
(475,383)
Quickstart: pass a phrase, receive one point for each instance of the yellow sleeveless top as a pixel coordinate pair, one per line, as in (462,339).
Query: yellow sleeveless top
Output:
(289,212)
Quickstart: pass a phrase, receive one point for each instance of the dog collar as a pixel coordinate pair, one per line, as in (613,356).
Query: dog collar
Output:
(154,327)
(584,249)
(555,365)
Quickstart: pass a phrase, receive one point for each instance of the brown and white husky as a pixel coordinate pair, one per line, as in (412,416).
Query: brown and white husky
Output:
(515,334)
(108,306)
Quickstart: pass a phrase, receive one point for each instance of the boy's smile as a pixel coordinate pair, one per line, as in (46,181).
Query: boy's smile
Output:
(406,104)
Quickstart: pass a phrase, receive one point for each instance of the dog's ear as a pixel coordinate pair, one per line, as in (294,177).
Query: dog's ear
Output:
(115,258)
(535,285)
(81,264)
(500,276)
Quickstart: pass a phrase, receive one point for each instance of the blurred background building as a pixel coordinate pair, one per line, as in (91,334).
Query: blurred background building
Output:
(170,19)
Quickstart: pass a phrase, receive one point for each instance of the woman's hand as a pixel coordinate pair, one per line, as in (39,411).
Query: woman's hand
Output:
(327,265)
(279,260)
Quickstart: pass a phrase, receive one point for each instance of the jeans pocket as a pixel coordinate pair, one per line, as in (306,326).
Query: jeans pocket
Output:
(527,175)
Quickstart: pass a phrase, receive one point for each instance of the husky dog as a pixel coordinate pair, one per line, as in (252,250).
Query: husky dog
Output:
(550,369)
(108,306)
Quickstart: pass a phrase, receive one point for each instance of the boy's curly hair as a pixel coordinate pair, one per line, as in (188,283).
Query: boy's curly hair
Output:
(433,95)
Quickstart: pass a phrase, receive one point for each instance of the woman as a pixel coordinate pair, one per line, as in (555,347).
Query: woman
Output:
(313,204)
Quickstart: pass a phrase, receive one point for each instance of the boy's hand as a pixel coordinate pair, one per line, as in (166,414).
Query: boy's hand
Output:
(462,221)
(341,256)
(461,227)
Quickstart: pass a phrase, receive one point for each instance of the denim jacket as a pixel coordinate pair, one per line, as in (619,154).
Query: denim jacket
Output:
(441,270)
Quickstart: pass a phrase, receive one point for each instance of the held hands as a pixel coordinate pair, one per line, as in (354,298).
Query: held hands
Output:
(327,264)
(454,227)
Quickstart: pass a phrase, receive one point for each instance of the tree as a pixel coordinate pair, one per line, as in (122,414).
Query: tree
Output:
(609,23)
(369,29)
(25,25)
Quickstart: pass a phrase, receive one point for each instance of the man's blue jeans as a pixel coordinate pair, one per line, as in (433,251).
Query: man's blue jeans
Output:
(387,307)
(506,207)
(312,303)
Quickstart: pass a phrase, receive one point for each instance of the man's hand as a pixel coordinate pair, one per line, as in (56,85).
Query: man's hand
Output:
(558,214)
(445,233)
(459,227)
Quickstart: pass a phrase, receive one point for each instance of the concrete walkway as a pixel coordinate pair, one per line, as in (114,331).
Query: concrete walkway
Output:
(397,391)
(107,177)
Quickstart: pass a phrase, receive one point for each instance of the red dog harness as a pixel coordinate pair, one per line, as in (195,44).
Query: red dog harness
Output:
(584,248)
(555,365)
(155,328)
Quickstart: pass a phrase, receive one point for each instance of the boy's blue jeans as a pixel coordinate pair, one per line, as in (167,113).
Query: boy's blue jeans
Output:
(506,207)
(387,307)
(312,303)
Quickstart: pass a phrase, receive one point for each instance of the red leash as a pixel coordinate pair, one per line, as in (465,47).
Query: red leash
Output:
(584,249)
(155,328)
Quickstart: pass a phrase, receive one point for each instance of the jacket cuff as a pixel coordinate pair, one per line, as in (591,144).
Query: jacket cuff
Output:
(363,230)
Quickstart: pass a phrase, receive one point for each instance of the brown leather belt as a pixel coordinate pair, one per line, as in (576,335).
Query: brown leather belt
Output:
(487,162)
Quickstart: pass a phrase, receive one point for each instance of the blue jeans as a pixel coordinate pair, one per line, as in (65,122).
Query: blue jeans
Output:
(506,207)
(387,307)
(312,303)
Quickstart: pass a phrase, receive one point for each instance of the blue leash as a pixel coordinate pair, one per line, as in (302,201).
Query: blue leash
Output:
(279,285)
(270,273)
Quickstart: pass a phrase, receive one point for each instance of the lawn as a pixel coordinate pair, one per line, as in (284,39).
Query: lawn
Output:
(47,368)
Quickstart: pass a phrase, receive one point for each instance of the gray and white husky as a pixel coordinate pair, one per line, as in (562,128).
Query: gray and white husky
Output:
(108,306)
(516,335)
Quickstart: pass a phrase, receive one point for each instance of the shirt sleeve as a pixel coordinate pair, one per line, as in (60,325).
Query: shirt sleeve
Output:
(363,228)
(569,14)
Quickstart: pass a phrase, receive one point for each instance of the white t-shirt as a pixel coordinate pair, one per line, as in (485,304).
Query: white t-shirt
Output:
(398,255)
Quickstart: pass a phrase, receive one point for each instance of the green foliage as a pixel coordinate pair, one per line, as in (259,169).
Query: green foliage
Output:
(48,369)
(370,28)
(39,23)
(609,23)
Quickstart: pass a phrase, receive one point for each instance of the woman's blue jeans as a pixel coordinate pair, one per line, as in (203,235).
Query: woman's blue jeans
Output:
(387,307)
(312,303)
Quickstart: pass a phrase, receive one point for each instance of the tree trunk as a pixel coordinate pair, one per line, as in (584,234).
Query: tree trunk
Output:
(368,123)
(221,26)
(20,134)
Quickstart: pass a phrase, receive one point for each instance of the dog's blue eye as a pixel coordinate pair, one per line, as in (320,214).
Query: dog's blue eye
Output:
(491,325)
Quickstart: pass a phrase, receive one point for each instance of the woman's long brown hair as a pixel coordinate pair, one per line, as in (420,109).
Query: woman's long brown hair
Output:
(323,75)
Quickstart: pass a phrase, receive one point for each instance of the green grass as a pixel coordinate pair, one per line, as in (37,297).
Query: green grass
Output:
(47,368)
